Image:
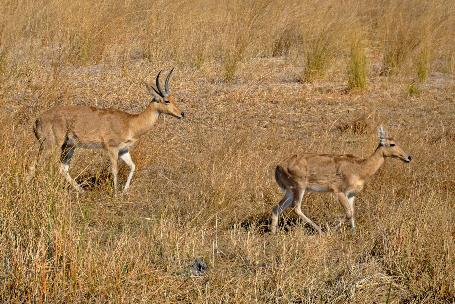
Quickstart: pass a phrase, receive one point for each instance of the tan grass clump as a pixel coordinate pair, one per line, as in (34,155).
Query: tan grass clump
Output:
(357,69)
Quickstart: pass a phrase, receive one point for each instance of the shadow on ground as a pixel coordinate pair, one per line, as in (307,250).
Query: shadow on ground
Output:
(261,223)
(91,181)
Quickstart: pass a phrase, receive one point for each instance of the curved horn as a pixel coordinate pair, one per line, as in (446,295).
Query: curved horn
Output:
(154,92)
(166,84)
(157,81)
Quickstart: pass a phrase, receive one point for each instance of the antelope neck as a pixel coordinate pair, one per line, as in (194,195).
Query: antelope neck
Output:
(372,164)
(145,120)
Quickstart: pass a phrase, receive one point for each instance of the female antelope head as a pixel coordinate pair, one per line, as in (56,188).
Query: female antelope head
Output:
(390,148)
(162,99)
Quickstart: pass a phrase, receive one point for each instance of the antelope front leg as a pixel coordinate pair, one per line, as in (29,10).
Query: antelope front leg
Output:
(126,157)
(65,158)
(351,199)
(113,155)
(348,204)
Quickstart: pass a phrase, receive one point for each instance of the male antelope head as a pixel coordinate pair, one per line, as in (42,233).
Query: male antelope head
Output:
(164,101)
(390,148)
(70,127)
(344,175)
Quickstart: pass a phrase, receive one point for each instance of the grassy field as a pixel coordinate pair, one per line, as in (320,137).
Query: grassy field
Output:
(259,81)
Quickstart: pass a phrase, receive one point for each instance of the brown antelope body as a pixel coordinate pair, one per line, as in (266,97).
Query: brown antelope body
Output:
(344,175)
(71,127)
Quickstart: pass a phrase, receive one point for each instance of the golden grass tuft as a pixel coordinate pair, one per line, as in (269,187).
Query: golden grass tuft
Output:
(362,124)
(357,69)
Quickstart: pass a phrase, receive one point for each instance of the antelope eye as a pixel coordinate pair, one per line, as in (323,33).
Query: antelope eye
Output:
(166,101)
(392,145)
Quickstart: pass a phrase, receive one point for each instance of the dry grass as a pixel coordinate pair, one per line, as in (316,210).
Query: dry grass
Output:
(357,69)
(204,186)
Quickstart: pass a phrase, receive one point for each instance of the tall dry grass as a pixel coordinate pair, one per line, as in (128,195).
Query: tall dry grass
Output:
(204,186)
(357,69)
(226,32)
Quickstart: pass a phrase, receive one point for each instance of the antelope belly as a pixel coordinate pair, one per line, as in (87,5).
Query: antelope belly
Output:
(317,188)
(90,145)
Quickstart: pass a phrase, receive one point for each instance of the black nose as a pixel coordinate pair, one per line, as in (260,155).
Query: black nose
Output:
(409,158)
(182,114)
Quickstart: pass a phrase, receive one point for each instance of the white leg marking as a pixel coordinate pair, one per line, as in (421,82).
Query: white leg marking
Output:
(351,201)
(351,205)
(129,161)
(64,168)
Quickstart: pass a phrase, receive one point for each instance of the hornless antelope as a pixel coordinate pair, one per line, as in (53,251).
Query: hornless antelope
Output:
(70,127)
(345,175)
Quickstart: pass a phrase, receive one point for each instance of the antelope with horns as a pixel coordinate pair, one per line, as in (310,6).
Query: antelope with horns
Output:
(344,175)
(71,127)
